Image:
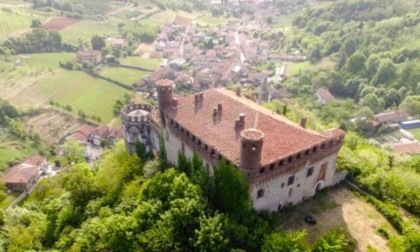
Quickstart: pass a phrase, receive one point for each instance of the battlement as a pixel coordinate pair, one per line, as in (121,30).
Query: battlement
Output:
(136,113)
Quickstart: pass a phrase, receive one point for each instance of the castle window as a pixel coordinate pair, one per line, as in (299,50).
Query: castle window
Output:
(199,142)
(262,170)
(291,180)
(298,156)
(323,146)
(188,133)
(306,152)
(290,192)
(193,138)
(206,147)
(290,159)
(212,152)
(314,149)
(176,125)
(243,145)
(172,122)
(260,193)
(220,158)
(310,172)
(281,162)
(182,130)
(282,185)
(331,143)
(271,167)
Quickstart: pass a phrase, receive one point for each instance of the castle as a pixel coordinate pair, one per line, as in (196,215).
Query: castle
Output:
(284,162)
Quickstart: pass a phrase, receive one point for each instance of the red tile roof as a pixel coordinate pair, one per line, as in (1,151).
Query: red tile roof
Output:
(102,131)
(282,137)
(35,160)
(86,130)
(407,148)
(325,95)
(20,174)
(399,115)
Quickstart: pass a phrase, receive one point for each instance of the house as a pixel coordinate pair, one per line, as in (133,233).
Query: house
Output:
(283,162)
(83,134)
(91,57)
(407,148)
(392,117)
(99,134)
(324,96)
(118,42)
(23,176)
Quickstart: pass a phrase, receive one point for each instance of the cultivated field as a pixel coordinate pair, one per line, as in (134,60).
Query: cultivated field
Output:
(340,208)
(124,75)
(13,21)
(84,30)
(82,92)
(52,125)
(59,23)
(207,19)
(12,149)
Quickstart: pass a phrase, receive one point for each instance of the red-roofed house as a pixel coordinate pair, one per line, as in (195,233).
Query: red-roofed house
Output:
(392,117)
(89,56)
(407,148)
(284,162)
(324,96)
(23,176)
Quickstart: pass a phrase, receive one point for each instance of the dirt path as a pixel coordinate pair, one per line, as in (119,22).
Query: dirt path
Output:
(341,208)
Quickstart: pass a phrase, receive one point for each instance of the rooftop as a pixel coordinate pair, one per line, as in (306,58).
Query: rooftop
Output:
(281,136)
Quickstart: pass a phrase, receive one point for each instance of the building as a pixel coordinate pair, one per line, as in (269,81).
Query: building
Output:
(23,176)
(284,162)
(392,117)
(407,148)
(324,96)
(91,57)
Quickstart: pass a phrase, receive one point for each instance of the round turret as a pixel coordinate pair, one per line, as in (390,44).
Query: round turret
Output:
(251,150)
(164,91)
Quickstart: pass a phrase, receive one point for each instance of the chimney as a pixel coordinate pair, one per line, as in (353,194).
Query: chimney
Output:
(238,91)
(175,103)
(215,111)
(303,122)
(242,118)
(219,108)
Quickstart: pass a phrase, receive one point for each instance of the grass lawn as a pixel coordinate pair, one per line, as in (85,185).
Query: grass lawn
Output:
(297,67)
(12,149)
(137,61)
(9,200)
(47,60)
(416,133)
(84,30)
(207,19)
(77,89)
(124,75)
(340,208)
(15,20)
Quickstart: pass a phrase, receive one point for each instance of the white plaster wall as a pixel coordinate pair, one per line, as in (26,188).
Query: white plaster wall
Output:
(173,145)
(303,186)
(154,138)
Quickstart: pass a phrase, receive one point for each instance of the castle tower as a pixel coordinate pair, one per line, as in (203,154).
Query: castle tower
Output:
(164,91)
(251,150)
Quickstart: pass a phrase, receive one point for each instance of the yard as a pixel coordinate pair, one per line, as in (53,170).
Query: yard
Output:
(124,75)
(415,132)
(9,200)
(340,208)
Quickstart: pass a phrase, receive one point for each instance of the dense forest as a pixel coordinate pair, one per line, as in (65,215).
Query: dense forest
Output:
(374,44)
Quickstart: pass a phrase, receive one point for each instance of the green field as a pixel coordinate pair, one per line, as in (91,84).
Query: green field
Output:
(296,68)
(12,149)
(416,133)
(16,20)
(209,20)
(84,30)
(137,61)
(9,200)
(77,89)
(124,75)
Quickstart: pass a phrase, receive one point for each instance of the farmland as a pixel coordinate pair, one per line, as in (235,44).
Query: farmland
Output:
(124,75)
(12,149)
(144,62)
(15,20)
(59,23)
(84,30)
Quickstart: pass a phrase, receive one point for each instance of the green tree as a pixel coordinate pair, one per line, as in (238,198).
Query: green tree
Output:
(97,42)
(386,72)
(285,242)
(231,190)
(333,241)
(412,104)
(356,63)
(373,102)
(211,235)
(74,152)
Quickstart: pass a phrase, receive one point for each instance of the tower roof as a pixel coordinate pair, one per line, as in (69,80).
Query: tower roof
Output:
(281,136)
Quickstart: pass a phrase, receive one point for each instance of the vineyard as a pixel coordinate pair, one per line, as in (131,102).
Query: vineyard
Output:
(52,125)
(84,30)
(80,91)
(15,20)
(59,23)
